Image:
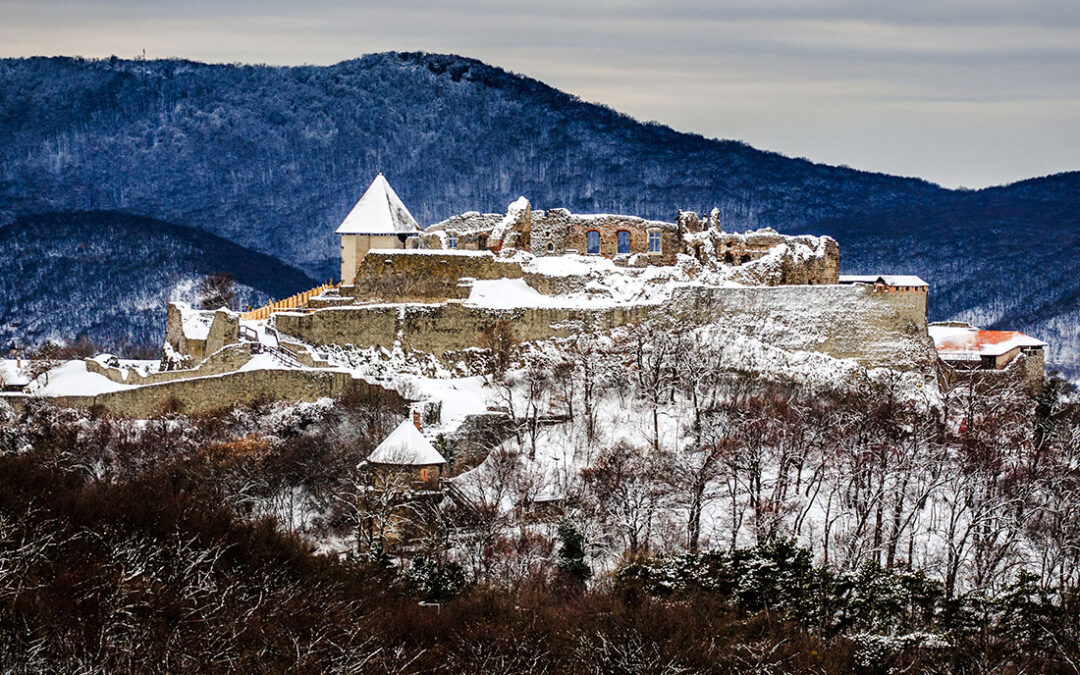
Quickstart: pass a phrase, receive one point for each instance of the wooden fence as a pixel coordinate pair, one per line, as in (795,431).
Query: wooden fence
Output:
(291,302)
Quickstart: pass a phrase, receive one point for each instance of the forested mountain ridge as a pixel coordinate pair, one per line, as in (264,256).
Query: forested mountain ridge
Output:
(273,158)
(107,276)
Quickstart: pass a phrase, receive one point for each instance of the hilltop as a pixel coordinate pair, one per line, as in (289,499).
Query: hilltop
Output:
(273,157)
(107,276)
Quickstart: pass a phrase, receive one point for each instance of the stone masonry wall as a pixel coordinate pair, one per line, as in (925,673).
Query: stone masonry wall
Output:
(566,231)
(424,276)
(876,329)
(206,394)
(362,326)
(225,360)
(224,330)
(842,321)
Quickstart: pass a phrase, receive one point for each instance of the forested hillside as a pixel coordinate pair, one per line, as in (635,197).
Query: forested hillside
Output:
(273,157)
(107,276)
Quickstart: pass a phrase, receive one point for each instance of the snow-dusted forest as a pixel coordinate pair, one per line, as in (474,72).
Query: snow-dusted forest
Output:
(625,503)
(106,277)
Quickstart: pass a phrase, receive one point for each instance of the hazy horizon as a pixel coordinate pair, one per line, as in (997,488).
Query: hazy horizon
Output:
(964,95)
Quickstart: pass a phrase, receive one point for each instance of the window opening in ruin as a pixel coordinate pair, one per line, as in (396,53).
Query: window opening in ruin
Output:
(622,241)
(592,242)
(481,242)
(654,242)
(452,242)
(744,259)
(551,247)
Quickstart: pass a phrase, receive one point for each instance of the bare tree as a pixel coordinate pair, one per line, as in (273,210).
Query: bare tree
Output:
(216,291)
(625,484)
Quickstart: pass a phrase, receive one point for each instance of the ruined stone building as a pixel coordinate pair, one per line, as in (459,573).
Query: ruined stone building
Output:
(551,275)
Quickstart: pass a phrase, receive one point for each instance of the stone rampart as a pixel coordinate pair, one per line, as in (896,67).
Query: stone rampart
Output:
(424,276)
(842,321)
(876,329)
(225,360)
(206,394)
(360,325)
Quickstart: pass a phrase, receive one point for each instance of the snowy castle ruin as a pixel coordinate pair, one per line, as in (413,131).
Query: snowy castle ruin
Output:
(776,302)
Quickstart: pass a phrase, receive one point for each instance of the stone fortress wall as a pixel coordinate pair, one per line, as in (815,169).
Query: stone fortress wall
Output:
(876,329)
(229,358)
(207,394)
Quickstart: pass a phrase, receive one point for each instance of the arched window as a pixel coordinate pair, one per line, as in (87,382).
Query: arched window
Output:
(622,241)
(592,242)
(551,247)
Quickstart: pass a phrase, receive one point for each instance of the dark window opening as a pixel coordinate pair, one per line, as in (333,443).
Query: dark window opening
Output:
(592,242)
(622,241)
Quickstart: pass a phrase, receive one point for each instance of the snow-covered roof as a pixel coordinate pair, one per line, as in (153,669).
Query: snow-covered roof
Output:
(379,211)
(406,446)
(965,343)
(887,279)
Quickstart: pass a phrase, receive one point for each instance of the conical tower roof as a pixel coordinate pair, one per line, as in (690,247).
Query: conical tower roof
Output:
(406,446)
(379,211)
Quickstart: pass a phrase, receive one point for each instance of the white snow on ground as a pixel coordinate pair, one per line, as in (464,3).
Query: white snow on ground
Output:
(264,361)
(510,293)
(72,379)
(13,373)
(460,397)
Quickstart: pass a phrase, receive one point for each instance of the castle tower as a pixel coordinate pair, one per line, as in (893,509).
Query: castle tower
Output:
(379,220)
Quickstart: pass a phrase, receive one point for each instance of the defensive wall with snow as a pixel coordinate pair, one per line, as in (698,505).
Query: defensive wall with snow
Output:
(878,329)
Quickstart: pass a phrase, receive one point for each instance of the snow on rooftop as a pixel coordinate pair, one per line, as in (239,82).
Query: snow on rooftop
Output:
(966,343)
(887,279)
(433,251)
(379,211)
(406,446)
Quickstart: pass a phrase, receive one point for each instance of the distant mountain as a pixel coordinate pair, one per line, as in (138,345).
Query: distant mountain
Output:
(274,157)
(107,276)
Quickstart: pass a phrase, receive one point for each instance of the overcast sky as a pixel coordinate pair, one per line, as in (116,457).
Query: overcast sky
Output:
(958,92)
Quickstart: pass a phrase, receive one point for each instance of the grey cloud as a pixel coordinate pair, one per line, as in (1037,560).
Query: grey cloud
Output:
(960,92)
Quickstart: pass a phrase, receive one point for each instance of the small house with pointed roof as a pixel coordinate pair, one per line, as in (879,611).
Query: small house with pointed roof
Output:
(407,448)
(378,221)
